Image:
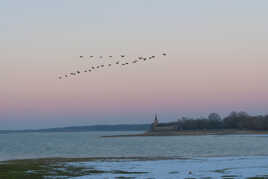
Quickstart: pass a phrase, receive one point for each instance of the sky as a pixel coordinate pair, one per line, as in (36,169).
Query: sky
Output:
(217,60)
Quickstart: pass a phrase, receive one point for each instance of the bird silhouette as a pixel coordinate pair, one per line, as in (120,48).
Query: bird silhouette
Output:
(109,64)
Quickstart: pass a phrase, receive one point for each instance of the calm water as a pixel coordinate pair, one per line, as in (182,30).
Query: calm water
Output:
(90,144)
(201,168)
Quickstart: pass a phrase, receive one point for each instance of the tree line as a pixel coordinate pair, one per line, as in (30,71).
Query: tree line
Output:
(235,120)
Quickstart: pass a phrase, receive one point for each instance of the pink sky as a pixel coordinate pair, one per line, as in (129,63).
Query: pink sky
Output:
(217,62)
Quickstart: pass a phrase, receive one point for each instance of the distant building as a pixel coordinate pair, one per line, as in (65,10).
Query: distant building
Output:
(155,124)
(163,127)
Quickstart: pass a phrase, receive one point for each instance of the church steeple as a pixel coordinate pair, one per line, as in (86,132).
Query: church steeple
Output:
(155,120)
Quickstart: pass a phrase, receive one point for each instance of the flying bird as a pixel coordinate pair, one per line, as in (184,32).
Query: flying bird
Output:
(109,64)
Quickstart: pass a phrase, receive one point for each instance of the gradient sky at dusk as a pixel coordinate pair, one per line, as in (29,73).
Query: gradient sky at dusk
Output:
(217,60)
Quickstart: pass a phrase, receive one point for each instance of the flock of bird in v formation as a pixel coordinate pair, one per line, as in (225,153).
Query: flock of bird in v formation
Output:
(139,59)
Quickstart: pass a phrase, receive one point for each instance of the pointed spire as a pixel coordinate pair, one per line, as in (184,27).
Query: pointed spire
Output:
(155,123)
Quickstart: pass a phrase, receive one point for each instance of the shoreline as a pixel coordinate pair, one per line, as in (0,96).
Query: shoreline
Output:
(88,159)
(193,133)
(119,158)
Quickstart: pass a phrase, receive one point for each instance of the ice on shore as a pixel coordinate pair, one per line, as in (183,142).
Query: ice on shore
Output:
(224,167)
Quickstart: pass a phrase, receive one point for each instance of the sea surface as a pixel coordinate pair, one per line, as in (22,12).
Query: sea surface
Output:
(198,157)
(91,144)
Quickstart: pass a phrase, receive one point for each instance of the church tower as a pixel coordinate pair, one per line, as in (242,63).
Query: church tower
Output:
(155,120)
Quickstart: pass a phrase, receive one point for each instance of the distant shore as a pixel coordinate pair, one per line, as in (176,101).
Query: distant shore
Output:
(194,133)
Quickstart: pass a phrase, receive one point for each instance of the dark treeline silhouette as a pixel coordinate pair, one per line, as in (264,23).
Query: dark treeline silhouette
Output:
(236,120)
